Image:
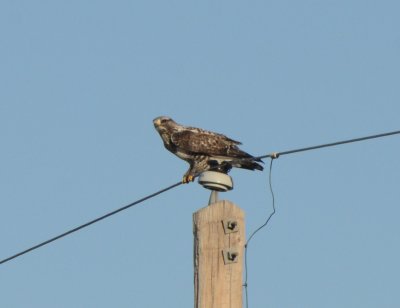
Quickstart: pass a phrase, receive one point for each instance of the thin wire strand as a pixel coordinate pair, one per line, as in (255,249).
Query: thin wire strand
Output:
(89,223)
(277,154)
(256,231)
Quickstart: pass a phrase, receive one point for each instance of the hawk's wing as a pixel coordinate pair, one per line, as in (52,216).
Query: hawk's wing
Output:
(204,142)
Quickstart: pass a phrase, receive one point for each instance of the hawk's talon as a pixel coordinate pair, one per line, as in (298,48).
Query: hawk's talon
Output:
(187,178)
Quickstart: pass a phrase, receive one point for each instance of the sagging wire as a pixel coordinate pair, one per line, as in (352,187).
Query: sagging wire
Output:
(275,155)
(246,246)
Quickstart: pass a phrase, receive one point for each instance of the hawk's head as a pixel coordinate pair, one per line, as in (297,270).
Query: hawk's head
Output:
(165,127)
(163,124)
(161,121)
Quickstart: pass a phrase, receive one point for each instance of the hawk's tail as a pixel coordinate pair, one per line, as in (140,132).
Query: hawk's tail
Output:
(245,160)
(248,164)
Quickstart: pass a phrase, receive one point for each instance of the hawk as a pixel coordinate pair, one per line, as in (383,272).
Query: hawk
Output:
(203,150)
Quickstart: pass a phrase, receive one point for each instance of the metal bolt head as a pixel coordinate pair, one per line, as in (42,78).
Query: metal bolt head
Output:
(232,225)
(232,255)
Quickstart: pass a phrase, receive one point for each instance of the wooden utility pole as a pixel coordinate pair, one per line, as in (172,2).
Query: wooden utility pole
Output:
(219,237)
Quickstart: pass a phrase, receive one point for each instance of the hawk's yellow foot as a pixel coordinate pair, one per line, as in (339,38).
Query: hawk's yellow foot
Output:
(187,178)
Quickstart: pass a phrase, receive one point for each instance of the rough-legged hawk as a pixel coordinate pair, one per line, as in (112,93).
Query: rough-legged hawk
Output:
(203,150)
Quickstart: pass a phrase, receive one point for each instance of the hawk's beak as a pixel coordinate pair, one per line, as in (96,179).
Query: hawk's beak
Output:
(157,122)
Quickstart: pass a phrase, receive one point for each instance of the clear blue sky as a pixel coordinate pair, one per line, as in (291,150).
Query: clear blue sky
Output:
(81,82)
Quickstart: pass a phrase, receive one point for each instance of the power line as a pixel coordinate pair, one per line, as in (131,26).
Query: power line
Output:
(277,154)
(89,223)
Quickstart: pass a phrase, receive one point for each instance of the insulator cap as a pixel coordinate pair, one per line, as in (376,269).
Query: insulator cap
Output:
(216,181)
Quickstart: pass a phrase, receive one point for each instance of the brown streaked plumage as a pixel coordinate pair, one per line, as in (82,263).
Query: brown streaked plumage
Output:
(202,149)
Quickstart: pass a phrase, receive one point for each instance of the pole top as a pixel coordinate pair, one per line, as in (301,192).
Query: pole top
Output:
(217,181)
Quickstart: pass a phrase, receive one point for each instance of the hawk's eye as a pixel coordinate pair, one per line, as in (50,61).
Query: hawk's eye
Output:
(164,120)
